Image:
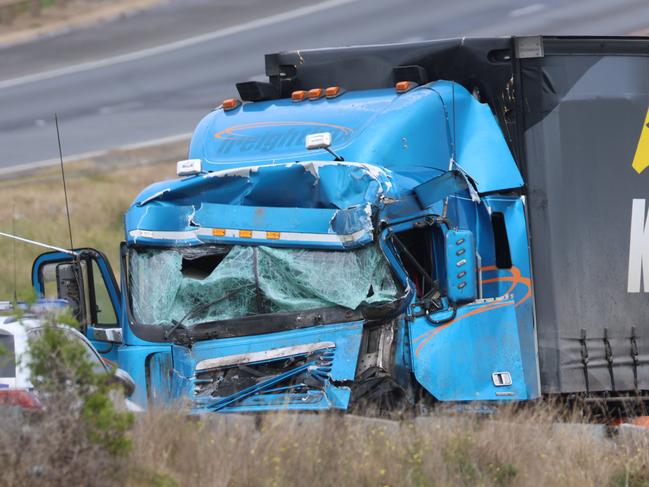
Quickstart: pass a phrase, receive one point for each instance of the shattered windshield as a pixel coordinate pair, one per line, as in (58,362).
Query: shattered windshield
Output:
(167,284)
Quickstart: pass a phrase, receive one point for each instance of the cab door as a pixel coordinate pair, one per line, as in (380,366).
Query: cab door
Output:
(88,284)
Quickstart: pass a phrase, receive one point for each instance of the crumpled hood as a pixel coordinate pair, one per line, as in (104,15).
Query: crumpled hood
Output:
(311,184)
(334,199)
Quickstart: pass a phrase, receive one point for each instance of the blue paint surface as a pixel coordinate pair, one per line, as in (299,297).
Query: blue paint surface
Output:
(455,361)
(411,134)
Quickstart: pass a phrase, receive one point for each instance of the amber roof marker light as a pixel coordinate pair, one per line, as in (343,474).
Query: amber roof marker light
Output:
(315,93)
(334,91)
(299,95)
(230,104)
(404,86)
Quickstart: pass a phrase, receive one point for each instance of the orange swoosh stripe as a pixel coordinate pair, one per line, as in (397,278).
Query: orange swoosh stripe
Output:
(476,311)
(515,278)
(435,330)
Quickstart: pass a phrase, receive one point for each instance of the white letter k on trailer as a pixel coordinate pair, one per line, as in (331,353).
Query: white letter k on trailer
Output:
(638,248)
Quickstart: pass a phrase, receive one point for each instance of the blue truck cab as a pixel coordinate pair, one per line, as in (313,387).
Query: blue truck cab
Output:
(329,243)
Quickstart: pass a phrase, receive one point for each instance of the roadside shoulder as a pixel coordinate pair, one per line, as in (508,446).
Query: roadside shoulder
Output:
(67,18)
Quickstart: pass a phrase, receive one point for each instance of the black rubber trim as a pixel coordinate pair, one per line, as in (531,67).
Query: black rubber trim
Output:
(271,323)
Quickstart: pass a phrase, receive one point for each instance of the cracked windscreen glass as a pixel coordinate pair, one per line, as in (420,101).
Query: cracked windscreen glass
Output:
(239,281)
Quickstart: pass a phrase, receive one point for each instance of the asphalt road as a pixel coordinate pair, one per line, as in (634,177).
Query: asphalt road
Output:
(155,74)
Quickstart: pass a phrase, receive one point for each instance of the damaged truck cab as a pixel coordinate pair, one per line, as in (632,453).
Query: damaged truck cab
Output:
(274,276)
(362,229)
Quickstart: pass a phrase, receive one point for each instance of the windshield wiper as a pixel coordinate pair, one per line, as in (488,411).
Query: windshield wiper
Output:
(178,325)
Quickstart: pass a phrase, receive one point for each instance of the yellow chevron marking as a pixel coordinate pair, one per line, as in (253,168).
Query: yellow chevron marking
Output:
(641,158)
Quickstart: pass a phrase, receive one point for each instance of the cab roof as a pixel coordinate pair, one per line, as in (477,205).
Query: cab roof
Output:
(414,134)
(258,175)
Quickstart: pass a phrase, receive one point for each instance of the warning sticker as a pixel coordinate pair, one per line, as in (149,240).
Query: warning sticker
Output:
(641,158)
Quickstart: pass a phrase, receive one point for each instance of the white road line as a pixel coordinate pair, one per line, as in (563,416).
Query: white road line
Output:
(412,39)
(93,154)
(530,9)
(228,31)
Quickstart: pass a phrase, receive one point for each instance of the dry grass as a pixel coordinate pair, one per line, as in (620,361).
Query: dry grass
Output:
(99,194)
(524,448)
(52,449)
(518,449)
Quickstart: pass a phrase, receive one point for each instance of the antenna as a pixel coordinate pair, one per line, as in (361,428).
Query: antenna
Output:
(65,189)
(13,250)
(40,244)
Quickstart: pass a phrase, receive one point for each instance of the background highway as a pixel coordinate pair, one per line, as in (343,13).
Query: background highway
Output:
(156,73)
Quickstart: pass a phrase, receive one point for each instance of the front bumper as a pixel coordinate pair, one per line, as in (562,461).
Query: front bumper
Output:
(304,369)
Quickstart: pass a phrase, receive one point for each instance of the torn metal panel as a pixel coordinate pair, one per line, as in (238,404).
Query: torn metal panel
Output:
(246,358)
(152,197)
(413,138)
(331,199)
(303,369)
(478,146)
(352,220)
(440,187)
(313,184)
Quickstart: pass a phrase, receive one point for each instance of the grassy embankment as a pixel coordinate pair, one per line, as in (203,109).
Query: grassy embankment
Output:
(525,448)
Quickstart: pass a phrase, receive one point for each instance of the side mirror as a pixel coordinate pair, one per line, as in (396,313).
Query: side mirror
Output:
(125,380)
(69,286)
(461,266)
(112,335)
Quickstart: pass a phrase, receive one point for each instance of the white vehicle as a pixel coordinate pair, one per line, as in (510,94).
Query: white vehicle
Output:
(15,386)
